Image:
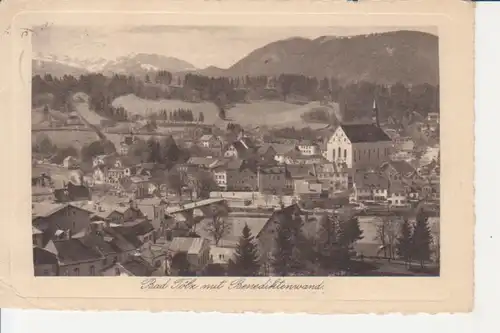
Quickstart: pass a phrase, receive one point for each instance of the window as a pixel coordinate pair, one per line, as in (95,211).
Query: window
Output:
(369,153)
(76,271)
(92,270)
(340,153)
(345,153)
(117,271)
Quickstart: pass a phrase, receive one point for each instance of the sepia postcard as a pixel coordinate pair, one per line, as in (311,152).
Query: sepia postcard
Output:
(233,158)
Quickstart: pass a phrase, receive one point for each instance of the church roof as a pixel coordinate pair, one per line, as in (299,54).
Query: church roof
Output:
(364,133)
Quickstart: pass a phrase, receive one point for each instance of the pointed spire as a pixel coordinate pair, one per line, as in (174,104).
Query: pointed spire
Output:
(375,117)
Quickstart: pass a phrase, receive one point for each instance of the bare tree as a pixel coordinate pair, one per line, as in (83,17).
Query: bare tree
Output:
(386,233)
(218,226)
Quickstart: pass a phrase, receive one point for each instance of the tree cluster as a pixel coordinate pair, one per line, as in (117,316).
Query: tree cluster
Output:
(399,102)
(334,244)
(414,242)
(43,145)
(99,147)
(319,115)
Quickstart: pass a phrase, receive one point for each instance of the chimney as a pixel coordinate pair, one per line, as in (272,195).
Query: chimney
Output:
(375,117)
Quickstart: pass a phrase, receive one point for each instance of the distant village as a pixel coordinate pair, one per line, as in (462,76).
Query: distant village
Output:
(364,200)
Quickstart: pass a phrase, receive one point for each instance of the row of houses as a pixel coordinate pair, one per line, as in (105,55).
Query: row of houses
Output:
(142,238)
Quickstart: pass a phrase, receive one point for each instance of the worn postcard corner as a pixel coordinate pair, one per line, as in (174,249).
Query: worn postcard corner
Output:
(278,160)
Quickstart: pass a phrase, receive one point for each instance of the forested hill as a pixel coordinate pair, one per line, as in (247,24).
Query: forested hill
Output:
(408,57)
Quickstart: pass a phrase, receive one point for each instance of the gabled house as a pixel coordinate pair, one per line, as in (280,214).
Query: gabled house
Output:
(359,146)
(45,262)
(266,236)
(282,150)
(333,177)
(72,192)
(188,254)
(77,259)
(211,141)
(274,179)
(55,218)
(242,149)
(370,186)
(266,152)
(308,148)
(401,171)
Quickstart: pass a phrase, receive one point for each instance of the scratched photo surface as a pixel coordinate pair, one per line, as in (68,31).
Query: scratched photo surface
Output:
(235,151)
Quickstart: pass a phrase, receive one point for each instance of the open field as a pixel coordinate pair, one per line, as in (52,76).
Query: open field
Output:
(83,109)
(256,113)
(39,119)
(64,137)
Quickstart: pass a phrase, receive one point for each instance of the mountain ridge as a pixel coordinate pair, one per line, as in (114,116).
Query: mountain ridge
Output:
(406,56)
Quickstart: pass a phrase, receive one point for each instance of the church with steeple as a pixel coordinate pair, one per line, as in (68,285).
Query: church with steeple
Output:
(360,146)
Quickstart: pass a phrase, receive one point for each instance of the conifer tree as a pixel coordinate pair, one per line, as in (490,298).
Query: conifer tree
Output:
(328,246)
(421,239)
(286,257)
(349,232)
(246,261)
(403,243)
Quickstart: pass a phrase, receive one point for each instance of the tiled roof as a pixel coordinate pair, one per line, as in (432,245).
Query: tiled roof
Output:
(73,250)
(364,133)
(43,257)
(371,180)
(137,228)
(299,171)
(138,266)
(283,148)
(286,212)
(190,245)
(44,209)
(201,161)
(206,137)
(100,244)
(402,167)
(133,266)
(273,169)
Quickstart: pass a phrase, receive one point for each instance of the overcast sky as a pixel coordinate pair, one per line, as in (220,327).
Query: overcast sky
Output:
(200,46)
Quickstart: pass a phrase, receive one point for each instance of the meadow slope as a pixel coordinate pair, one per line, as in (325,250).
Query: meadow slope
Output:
(255,113)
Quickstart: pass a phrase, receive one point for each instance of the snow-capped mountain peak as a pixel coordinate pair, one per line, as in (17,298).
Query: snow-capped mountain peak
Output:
(133,64)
